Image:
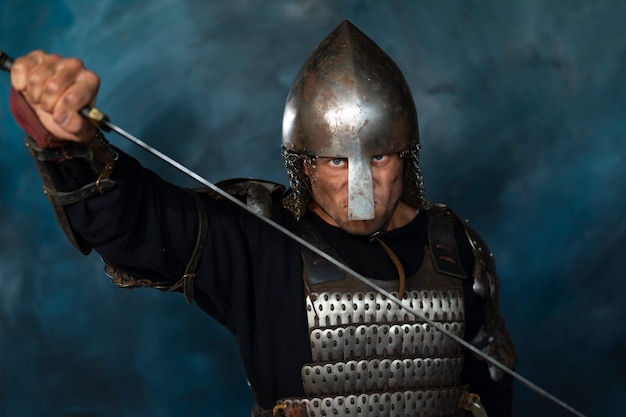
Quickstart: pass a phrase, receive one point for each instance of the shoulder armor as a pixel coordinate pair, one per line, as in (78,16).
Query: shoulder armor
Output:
(481,251)
(479,247)
(259,195)
(493,337)
(442,242)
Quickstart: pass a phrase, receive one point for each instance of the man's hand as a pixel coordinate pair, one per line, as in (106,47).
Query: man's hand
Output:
(57,88)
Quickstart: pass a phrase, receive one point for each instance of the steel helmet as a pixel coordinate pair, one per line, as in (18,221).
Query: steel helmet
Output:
(350,100)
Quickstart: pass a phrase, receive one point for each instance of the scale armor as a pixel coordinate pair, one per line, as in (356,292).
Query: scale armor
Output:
(372,357)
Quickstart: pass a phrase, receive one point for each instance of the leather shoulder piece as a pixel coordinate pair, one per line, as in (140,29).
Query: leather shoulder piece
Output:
(443,247)
(481,251)
(258,195)
(316,269)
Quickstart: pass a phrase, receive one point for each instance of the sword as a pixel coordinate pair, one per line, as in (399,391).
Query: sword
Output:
(103,122)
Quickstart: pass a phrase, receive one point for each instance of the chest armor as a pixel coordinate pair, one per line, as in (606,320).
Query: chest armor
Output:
(373,358)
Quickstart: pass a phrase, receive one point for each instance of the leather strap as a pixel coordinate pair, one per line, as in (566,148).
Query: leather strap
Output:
(62,198)
(443,247)
(190,270)
(186,281)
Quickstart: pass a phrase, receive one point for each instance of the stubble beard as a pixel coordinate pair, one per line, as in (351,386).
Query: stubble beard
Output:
(359,227)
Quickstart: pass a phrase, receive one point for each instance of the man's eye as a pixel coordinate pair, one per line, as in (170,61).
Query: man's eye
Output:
(336,162)
(379,158)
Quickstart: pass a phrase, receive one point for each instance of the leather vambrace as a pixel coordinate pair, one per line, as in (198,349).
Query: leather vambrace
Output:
(98,154)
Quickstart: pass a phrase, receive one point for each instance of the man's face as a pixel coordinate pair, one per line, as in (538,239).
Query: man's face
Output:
(329,187)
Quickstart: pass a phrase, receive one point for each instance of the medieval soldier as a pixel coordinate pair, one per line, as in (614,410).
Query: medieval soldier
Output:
(314,340)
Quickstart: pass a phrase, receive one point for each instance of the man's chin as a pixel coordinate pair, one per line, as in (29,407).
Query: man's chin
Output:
(361,227)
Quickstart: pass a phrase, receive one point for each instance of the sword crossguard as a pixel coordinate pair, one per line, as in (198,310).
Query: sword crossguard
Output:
(96,117)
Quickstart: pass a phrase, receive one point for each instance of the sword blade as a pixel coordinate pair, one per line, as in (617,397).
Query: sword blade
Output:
(340,266)
(102,121)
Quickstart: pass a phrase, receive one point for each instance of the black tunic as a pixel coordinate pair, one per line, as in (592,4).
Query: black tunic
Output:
(250,276)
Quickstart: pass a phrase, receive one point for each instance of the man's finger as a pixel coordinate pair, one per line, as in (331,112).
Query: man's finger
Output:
(22,68)
(65,74)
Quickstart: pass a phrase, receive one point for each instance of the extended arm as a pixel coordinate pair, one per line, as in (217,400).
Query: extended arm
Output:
(101,197)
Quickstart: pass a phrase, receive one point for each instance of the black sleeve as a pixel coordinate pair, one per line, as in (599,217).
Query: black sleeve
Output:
(142,223)
(496,396)
(249,275)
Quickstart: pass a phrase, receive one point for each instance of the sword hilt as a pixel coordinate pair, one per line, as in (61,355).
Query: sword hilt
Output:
(95,116)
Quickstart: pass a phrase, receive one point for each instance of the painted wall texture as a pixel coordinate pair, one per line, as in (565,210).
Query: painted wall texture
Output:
(522,108)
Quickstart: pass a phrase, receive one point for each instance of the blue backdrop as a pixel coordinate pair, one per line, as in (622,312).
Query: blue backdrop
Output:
(522,119)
